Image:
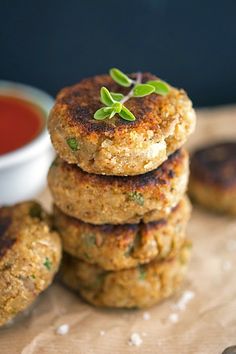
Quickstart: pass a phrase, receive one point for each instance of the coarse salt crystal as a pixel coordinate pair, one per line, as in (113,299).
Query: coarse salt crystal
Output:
(185,298)
(102,333)
(63,329)
(174,317)
(146,316)
(135,339)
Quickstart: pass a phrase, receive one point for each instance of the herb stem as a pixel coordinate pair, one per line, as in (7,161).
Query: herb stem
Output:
(130,94)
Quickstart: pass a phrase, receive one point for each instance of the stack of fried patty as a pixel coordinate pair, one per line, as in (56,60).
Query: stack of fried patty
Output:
(119,193)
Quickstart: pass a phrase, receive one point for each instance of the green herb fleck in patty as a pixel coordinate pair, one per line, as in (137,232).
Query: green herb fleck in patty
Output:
(137,198)
(47,263)
(73,144)
(90,240)
(142,272)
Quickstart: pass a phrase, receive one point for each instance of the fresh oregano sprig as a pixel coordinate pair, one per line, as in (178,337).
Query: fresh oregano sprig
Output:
(114,101)
(114,104)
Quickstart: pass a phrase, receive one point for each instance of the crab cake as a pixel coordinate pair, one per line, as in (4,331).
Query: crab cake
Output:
(119,200)
(142,286)
(30,254)
(116,247)
(115,146)
(213,177)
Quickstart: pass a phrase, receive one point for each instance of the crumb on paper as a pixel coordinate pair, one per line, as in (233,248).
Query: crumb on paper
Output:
(226,266)
(174,317)
(63,329)
(135,340)
(146,316)
(187,296)
(144,334)
(102,333)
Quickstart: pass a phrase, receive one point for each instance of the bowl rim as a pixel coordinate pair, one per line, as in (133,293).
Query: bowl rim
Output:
(42,141)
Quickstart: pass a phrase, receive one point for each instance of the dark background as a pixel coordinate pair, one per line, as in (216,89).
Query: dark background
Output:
(191,44)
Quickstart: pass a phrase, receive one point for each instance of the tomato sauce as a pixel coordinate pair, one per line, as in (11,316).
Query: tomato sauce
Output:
(20,122)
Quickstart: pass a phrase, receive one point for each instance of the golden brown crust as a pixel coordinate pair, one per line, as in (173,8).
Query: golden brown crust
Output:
(140,287)
(108,147)
(123,246)
(83,99)
(117,200)
(30,254)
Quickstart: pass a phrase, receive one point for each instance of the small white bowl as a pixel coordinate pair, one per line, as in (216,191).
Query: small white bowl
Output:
(23,172)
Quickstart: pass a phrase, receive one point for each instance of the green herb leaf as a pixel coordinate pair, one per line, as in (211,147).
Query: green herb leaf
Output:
(126,114)
(108,109)
(111,111)
(117,107)
(112,114)
(117,96)
(142,90)
(35,211)
(72,143)
(33,276)
(161,88)
(47,263)
(102,113)
(120,78)
(106,97)
(142,273)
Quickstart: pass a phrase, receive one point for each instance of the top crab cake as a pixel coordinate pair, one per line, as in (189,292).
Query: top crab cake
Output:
(116,146)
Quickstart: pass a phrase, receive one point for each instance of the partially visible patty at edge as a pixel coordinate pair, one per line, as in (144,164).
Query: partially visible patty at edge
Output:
(116,247)
(119,200)
(213,177)
(115,146)
(140,287)
(30,253)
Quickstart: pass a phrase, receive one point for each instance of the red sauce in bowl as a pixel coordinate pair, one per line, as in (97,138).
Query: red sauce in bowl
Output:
(20,122)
